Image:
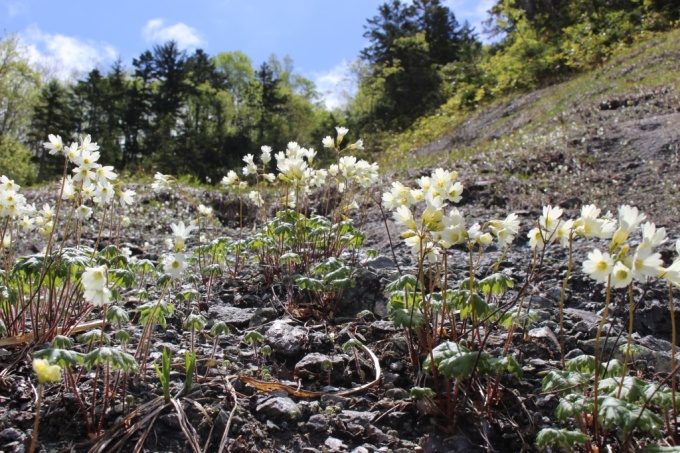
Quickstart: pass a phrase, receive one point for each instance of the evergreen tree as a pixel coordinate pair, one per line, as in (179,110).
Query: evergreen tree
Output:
(52,114)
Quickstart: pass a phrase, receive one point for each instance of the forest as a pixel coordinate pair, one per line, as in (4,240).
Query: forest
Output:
(196,114)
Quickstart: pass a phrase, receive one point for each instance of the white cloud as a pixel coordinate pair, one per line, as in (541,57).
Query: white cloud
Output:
(474,12)
(186,37)
(65,56)
(15,9)
(336,86)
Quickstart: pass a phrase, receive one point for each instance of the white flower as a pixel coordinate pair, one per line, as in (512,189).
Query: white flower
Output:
(125,221)
(536,239)
(564,230)
(342,131)
(505,230)
(105,173)
(230,179)
(83,212)
(87,159)
(97,297)
(174,265)
(161,182)
(328,142)
(550,218)
(359,144)
(646,264)
(8,184)
(266,155)
(598,265)
(403,216)
(55,145)
(86,144)
(590,226)
(651,237)
(672,273)
(126,197)
(181,233)
(255,197)
(621,275)
(451,235)
(204,211)
(629,219)
(104,193)
(94,278)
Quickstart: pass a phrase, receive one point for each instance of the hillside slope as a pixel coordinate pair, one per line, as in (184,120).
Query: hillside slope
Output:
(609,137)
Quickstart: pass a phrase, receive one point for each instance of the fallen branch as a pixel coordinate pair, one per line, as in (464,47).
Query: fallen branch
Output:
(27,338)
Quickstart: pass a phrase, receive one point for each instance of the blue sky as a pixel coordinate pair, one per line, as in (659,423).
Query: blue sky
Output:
(321,36)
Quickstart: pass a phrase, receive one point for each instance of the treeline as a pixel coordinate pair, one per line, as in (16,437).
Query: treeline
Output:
(171,112)
(421,58)
(197,114)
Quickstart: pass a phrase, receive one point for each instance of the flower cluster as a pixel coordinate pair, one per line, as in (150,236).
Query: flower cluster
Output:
(90,180)
(438,229)
(295,168)
(95,281)
(46,372)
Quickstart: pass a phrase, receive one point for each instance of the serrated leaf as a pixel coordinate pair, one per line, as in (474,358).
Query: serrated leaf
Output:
(253,337)
(632,390)
(564,381)
(406,281)
(495,284)
(116,314)
(572,406)
(549,437)
(117,360)
(62,357)
(456,361)
(407,319)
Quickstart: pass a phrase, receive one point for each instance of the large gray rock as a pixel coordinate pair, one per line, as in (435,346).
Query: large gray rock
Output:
(285,338)
(281,409)
(232,315)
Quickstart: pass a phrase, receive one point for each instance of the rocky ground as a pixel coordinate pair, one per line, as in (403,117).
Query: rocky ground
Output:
(608,152)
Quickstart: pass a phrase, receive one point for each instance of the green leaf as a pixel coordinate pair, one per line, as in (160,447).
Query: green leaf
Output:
(495,284)
(122,277)
(289,257)
(419,393)
(351,343)
(583,363)
(567,439)
(632,390)
(212,270)
(614,412)
(116,314)
(406,281)
(194,322)
(62,357)
(573,406)
(456,361)
(311,284)
(117,360)
(94,335)
(253,337)
(62,342)
(402,318)
(220,328)
(564,381)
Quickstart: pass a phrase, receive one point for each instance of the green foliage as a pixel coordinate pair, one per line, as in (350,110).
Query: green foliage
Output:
(116,359)
(15,161)
(62,357)
(457,361)
(567,439)
(163,372)
(190,365)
